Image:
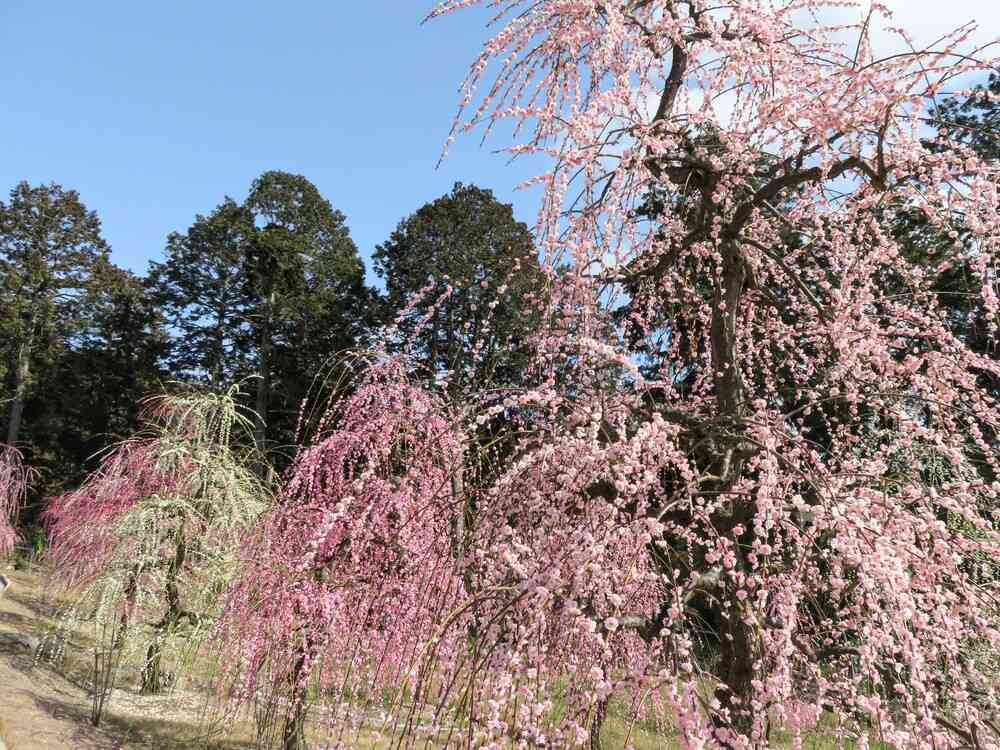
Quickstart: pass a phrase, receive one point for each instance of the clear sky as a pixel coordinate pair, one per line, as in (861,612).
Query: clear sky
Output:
(154,111)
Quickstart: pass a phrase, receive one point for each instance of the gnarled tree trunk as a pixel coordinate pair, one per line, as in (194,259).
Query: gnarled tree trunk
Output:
(737,647)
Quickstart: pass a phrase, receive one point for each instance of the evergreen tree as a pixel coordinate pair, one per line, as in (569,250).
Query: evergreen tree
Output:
(102,375)
(463,274)
(200,288)
(269,289)
(306,283)
(49,246)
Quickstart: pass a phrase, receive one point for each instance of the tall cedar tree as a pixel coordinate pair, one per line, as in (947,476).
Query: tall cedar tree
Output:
(469,243)
(201,291)
(269,289)
(306,280)
(49,246)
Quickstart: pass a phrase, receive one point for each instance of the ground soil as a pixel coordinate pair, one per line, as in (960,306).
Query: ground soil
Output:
(45,708)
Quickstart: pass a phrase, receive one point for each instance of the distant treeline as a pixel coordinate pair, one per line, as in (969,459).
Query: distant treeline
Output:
(266,291)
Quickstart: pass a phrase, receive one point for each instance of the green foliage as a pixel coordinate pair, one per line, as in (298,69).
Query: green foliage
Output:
(469,241)
(200,288)
(306,281)
(81,339)
(269,290)
(115,359)
(50,245)
(27,557)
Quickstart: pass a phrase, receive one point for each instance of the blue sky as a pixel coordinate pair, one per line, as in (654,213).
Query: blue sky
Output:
(155,111)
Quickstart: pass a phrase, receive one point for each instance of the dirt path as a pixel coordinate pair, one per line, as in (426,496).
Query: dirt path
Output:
(40,709)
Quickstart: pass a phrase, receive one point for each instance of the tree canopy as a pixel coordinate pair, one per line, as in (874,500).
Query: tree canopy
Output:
(463,279)
(49,245)
(269,289)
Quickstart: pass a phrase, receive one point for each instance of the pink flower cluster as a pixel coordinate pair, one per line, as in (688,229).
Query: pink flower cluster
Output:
(344,580)
(81,524)
(15,478)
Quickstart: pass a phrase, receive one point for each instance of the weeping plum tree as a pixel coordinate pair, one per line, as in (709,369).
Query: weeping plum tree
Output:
(793,512)
(353,567)
(806,480)
(15,477)
(147,543)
